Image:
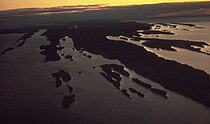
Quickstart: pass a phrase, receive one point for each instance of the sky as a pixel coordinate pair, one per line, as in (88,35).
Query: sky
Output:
(14,4)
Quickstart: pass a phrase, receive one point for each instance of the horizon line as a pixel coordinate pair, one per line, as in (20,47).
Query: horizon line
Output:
(103,5)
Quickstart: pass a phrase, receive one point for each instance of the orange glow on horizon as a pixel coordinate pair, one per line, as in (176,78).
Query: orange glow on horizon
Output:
(14,4)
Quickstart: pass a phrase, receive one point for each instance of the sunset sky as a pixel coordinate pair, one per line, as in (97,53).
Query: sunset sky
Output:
(14,4)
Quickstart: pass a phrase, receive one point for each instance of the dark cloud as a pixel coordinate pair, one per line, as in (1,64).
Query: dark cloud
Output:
(61,9)
(132,11)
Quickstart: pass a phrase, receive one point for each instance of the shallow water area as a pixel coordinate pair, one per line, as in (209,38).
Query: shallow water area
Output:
(27,78)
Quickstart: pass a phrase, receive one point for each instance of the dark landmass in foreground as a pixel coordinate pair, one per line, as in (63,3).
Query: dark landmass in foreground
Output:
(91,37)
